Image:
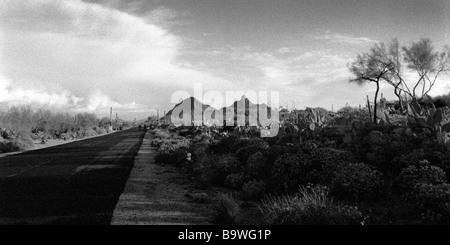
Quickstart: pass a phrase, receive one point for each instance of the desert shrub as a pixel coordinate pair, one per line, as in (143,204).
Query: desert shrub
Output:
(198,151)
(256,142)
(8,146)
(328,155)
(101,130)
(256,166)
(41,123)
(312,206)
(376,138)
(253,190)
(422,173)
(104,122)
(84,133)
(276,151)
(176,157)
(70,135)
(226,209)
(288,172)
(228,164)
(35,136)
(327,161)
(310,145)
(432,203)
(332,134)
(18,119)
(245,152)
(23,141)
(203,169)
(405,160)
(397,148)
(224,145)
(235,181)
(16,142)
(172,145)
(356,181)
(214,169)
(86,120)
(438,158)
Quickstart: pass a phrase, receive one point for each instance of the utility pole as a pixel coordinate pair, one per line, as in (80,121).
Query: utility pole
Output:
(110,119)
(116,120)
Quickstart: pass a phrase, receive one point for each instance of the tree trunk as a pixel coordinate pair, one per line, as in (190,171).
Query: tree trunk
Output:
(375,103)
(402,106)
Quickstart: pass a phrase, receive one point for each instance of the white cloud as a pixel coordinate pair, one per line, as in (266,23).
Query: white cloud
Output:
(82,48)
(99,101)
(162,16)
(344,39)
(315,66)
(284,50)
(13,95)
(311,78)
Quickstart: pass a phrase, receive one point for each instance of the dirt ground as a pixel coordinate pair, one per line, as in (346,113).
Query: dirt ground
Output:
(160,195)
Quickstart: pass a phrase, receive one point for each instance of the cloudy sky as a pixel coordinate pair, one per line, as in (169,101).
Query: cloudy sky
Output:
(134,54)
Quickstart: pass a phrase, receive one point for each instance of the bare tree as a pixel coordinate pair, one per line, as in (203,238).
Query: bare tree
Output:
(391,55)
(367,68)
(428,64)
(388,63)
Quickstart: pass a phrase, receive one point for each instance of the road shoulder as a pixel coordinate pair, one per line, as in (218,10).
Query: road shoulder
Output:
(158,194)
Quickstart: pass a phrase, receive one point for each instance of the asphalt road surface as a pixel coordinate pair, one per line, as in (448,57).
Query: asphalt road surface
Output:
(75,183)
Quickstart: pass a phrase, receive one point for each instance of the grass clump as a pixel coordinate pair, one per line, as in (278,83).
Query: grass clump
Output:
(311,206)
(226,209)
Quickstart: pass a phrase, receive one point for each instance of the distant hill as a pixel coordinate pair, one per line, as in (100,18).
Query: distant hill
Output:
(194,102)
(251,111)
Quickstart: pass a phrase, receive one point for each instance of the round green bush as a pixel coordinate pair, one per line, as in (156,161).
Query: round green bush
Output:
(234,181)
(224,145)
(228,164)
(253,190)
(256,166)
(257,142)
(8,146)
(422,173)
(245,152)
(101,130)
(219,170)
(276,151)
(325,162)
(356,181)
(289,172)
(432,203)
(177,157)
(403,161)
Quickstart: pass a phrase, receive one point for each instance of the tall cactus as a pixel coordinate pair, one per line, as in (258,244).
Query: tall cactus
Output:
(316,121)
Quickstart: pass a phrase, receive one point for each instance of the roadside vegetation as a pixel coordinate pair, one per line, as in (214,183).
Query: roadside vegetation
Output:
(387,163)
(22,127)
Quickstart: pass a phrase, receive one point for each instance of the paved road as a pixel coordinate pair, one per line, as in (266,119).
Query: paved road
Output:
(75,183)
